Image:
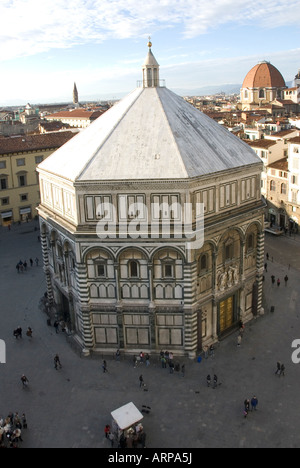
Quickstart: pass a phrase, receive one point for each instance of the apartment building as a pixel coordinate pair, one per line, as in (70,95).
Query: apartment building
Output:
(19,185)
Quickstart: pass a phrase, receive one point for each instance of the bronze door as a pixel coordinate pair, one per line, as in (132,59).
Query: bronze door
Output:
(226,314)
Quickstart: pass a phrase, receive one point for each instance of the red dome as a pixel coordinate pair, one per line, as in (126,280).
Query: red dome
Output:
(264,75)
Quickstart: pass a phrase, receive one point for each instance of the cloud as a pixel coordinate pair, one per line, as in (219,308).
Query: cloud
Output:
(29,27)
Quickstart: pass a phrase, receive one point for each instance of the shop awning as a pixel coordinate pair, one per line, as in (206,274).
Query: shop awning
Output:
(6,214)
(127,416)
(25,210)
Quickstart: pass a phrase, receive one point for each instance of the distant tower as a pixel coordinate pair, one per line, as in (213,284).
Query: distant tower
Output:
(75,96)
(297,80)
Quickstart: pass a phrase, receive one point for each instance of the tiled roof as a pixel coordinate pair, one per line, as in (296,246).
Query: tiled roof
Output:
(283,133)
(282,165)
(295,140)
(34,142)
(264,75)
(260,143)
(75,114)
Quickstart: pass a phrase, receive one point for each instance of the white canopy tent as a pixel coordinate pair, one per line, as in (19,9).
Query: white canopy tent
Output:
(126,416)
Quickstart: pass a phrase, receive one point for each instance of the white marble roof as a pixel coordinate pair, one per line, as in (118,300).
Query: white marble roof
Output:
(151,134)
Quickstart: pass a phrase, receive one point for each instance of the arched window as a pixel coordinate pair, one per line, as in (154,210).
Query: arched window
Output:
(133,269)
(283,189)
(250,242)
(203,263)
(273,186)
(261,93)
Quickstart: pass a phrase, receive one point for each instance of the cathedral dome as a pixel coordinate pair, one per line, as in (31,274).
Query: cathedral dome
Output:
(264,75)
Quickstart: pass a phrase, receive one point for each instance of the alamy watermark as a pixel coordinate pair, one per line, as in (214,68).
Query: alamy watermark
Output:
(166,221)
(296,353)
(2,352)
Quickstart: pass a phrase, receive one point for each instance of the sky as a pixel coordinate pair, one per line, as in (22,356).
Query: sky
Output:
(101,45)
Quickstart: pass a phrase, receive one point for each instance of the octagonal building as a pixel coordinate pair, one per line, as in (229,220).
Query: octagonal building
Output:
(152,227)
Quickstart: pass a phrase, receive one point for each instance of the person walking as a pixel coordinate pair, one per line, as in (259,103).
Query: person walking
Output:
(56,326)
(273,280)
(254,403)
(215,381)
(282,370)
(24,421)
(239,340)
(104,367)
(278,368)
(208,380)
(57,362)
(278,282)
(31,262)
(107,430)
(111,437)
(266,267)
(29,332)
(267,256)
(134,361)
(286,278)
(141,379)
(183,370)
(118,355)
(37,262)
(24,381)
(246,407)
(147,358)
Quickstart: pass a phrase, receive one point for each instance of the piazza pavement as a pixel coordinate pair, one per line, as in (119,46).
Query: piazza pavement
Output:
(69,408)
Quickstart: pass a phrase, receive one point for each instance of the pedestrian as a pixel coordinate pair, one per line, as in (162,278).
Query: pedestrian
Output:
(142,357)
(25,265)
(18,332)
(29,332)
(107,430)
(212,350)
(266,267)
(273,279)
(286,278)
(24,381)
(163,362)
(215,381)
(18,267)
(246,407)
(24,421)
(239,340)
(254,403)
(57,362)
(56,326)
(147,357)
(104,367)
(208,380)
(141,379)
(31,262)
(183,370)
(134,361)
(278,368)
(278,282)
(171,366)
(37,262)
(118,354)
(205,350)
(111,438)
(282,370)
(267,256)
